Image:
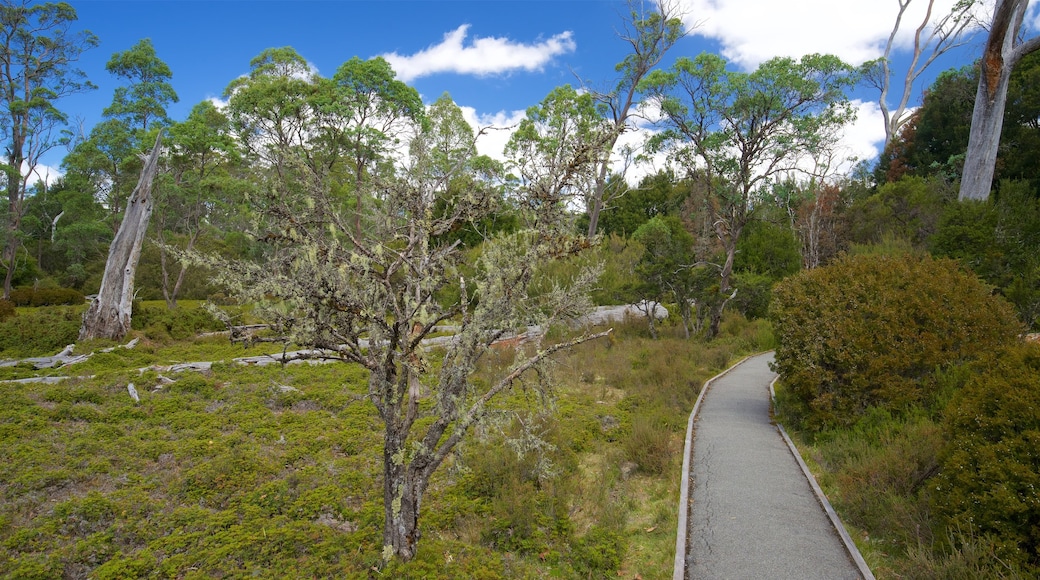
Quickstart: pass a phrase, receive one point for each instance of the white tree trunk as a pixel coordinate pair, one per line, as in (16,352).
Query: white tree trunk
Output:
(987,120)
(109,313)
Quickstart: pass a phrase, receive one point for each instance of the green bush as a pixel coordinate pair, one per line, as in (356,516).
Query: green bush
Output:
(6,309)
(41,332)
(46,297)
(873,330)
(990,469)
(161,323)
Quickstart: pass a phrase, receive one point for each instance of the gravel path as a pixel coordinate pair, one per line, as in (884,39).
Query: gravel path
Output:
(754,514)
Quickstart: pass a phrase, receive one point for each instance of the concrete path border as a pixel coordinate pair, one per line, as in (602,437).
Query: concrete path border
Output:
(846,539)
(681,542)
(681,539)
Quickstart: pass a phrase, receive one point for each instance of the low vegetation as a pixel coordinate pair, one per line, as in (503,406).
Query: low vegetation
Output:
(912,395)
(275,471)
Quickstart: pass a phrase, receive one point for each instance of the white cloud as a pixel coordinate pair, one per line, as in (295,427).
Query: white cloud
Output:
(45,173)
(752,31)
(498,128)
(481,56)
(863,136)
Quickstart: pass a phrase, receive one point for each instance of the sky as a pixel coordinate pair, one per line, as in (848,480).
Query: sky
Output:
(495,57)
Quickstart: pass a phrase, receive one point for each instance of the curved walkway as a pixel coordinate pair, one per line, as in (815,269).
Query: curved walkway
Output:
(753,513)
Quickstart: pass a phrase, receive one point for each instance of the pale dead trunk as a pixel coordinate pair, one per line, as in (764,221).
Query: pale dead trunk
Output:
(109,313)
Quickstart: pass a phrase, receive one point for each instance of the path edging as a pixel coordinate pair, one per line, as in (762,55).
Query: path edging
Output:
(846,539)
(679,566)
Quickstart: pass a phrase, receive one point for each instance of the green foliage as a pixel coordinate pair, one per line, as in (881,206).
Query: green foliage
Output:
(768,249)
(142,103)
(1000,241)
(753,294)
(617,282)
(39,332)
(161,323)
(990,474)
(6,309)
(908,209)
(872,331)
(656,195)
(46,297)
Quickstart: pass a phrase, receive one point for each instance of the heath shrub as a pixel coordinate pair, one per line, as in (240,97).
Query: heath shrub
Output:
(871,331)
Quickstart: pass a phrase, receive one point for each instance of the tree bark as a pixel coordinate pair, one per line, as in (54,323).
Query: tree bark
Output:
(109,314)
(987,120)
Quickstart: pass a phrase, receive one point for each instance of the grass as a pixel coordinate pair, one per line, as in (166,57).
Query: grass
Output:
(275,471)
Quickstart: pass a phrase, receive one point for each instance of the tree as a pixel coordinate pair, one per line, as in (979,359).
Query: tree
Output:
(945,34)
(107,161)
(665,269)
(650,35)
(372,296)
(38,50)
(142,103)
(732,132)
(372,108)
(109,314)
(555,150)
(199,181)
(934,137)
(1002,53)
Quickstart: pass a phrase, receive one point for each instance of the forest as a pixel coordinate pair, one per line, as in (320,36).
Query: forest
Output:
(342,343)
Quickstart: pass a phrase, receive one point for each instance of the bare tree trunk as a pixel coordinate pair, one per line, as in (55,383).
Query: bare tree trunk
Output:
(987,120)
(109,313)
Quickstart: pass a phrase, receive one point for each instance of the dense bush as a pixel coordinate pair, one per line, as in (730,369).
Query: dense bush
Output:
(1000,241)
(46,297)
(6,308)
(161,323)
(40,332)
(872,331)
(990,469)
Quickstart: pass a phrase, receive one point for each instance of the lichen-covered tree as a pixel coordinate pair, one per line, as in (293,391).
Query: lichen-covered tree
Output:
(371,296)
(734,133)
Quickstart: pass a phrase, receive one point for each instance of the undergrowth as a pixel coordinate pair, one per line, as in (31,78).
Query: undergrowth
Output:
(276,471)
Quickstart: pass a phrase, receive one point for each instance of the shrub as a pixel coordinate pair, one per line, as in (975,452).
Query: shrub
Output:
(161,323)
(6,309)
(40,332)
(650,445)
(46,297)
(873,330)
(990,470)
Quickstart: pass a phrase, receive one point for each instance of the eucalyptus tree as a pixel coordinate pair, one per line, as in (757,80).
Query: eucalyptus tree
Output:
(555,152)
(1003,50)
(372,295)
(934,36)
(109,159)
(650,34)
(734,132)
(38,52)
(374,111)
(142,102)
(200,179)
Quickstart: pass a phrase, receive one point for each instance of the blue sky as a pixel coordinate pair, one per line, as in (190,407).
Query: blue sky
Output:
(495,57)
